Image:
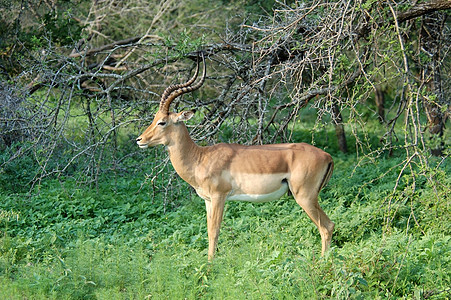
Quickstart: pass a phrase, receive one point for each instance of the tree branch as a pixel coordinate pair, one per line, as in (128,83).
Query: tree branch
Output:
(106,47)
(423,8)
(413,12)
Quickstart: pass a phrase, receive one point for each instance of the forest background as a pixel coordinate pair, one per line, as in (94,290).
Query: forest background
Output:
(84,213)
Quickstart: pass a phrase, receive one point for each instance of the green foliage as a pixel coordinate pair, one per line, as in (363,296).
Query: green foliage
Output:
(60,27)
(132,235)
(69,241)
(257,8)
(21,170)
(28,30)
(184,43)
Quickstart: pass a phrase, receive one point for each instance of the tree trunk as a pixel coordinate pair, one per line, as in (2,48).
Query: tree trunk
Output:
(380,104)
(339,128)
(430,42)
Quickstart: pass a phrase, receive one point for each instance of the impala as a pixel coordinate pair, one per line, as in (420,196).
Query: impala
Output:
(224,172)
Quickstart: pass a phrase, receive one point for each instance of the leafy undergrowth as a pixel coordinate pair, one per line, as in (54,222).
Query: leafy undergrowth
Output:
(120,242)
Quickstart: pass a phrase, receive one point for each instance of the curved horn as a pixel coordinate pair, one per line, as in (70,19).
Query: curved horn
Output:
(174,87)
(174,91)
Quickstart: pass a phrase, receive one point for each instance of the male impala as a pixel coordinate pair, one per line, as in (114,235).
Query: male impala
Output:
(235,172)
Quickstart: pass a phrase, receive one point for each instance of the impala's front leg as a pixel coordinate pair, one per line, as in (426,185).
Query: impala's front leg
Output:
(215,210)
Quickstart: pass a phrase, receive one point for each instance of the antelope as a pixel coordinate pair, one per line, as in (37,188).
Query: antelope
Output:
(256,173)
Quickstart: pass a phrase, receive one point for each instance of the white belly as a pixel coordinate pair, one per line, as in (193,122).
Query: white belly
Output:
(260,197)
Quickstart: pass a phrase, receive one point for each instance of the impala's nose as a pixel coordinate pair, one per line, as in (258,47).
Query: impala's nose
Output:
(138,139)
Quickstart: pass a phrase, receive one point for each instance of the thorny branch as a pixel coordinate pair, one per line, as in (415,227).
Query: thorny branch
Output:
(323,56)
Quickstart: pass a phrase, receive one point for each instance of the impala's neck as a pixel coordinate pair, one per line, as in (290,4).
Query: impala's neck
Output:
(185,155)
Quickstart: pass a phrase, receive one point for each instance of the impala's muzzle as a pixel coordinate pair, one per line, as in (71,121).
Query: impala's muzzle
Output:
(141,144)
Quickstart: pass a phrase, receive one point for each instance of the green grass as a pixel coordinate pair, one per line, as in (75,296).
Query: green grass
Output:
(70,242)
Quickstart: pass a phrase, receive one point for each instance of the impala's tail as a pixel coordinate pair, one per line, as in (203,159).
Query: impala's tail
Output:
(330,169)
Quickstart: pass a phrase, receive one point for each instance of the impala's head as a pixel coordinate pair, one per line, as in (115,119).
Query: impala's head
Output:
(166,123)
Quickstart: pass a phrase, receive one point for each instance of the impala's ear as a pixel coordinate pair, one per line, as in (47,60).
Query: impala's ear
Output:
(184,116)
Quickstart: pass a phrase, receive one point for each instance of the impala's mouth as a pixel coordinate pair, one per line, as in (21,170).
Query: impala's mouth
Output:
(143,146)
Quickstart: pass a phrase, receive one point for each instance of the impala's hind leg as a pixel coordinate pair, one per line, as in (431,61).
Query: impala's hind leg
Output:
(311,206)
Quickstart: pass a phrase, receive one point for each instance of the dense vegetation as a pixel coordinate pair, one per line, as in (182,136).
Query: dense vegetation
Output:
(85,214)
(124,240)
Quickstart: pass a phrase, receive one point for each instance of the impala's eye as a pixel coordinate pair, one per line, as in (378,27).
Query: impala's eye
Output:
(162,123)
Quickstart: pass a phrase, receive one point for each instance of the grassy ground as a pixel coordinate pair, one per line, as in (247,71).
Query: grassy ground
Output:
(68,241)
